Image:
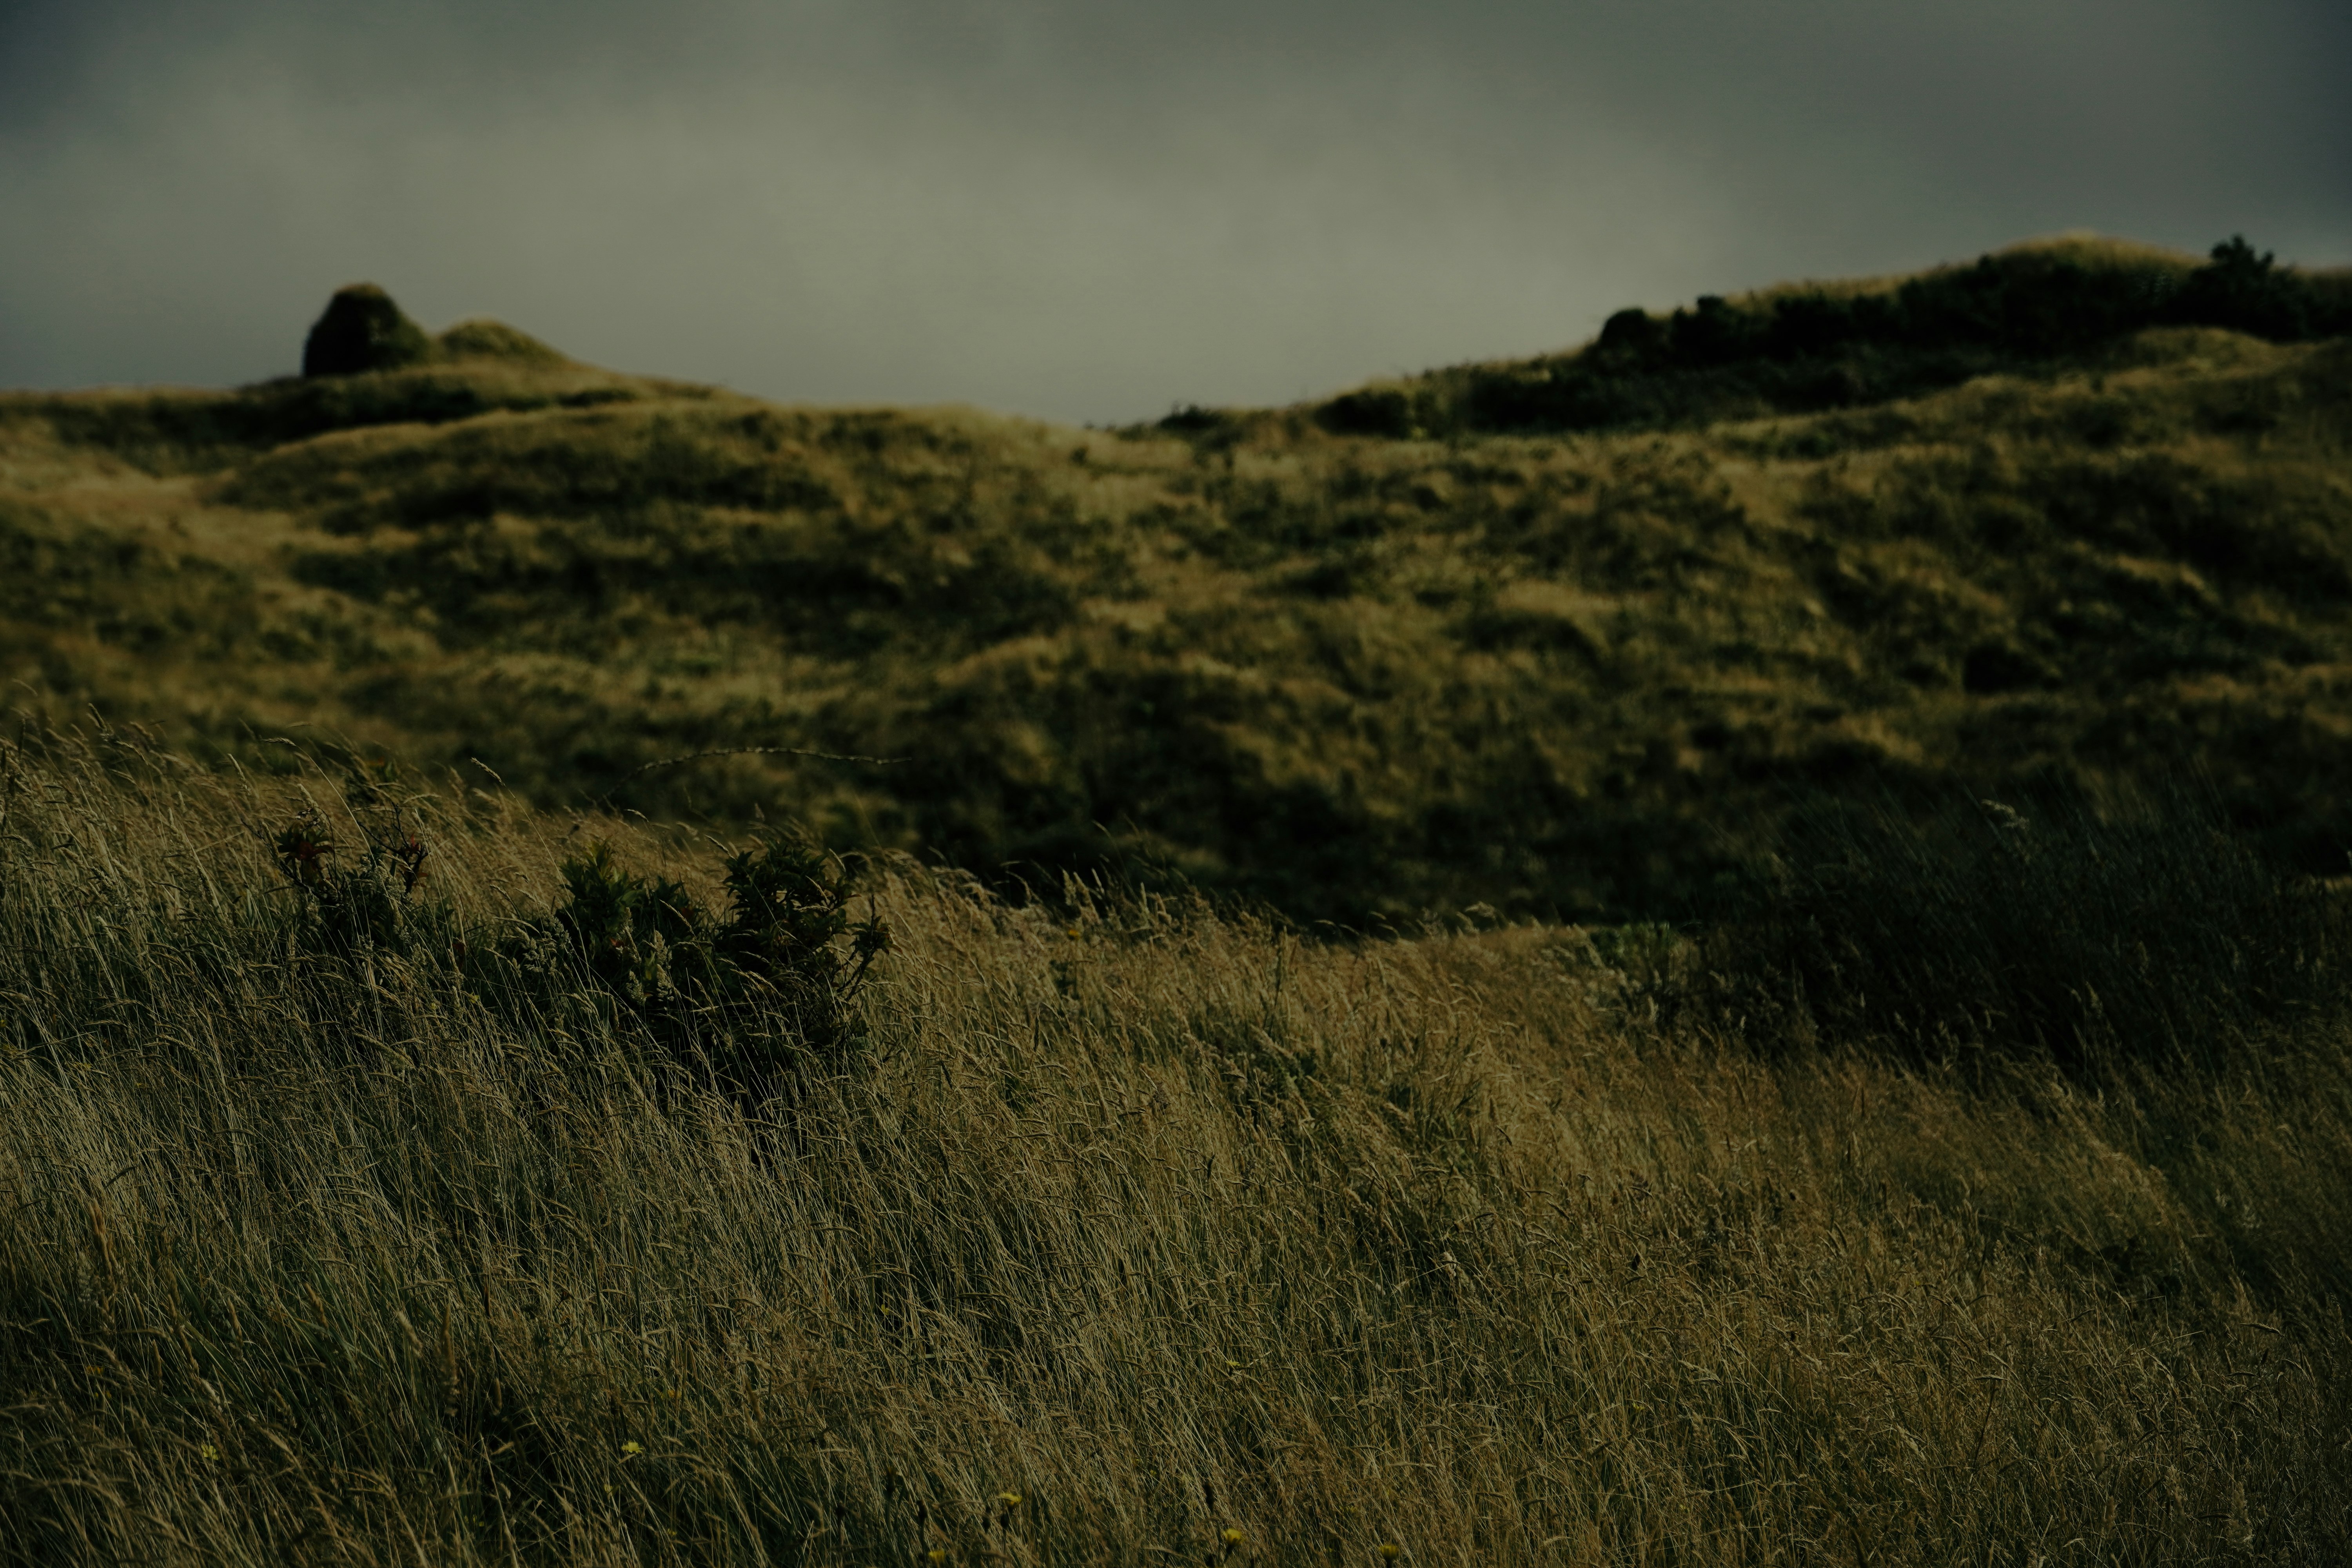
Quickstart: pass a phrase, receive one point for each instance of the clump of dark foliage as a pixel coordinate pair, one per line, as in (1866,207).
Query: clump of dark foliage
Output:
(355,907)
(1985,934)
(361,330)
(1808,352)
(748,995)
(754,991)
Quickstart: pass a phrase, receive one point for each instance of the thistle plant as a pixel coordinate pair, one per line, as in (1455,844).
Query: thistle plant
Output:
(361,905)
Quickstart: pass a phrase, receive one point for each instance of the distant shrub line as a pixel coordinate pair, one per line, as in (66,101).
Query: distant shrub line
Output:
(1814,351)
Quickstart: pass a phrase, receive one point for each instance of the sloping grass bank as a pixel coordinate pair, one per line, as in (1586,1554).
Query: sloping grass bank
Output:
(1126,1233)
(1356,676)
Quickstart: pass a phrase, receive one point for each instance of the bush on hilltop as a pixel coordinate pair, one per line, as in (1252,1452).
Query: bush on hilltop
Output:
(361,330)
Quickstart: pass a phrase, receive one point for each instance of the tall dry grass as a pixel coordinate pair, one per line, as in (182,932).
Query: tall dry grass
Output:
(1140,1233)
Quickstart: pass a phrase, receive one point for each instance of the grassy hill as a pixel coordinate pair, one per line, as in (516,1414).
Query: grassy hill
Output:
(1472,660)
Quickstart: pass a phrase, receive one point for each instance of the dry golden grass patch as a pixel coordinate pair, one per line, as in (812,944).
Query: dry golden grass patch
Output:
(1131,1226)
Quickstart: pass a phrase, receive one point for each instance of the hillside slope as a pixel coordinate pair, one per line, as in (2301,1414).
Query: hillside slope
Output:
(1355,675)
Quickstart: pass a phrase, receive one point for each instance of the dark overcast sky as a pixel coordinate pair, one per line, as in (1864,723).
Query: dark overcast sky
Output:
(1094,209)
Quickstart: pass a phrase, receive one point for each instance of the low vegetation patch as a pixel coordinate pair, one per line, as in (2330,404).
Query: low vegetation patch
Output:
(756,994)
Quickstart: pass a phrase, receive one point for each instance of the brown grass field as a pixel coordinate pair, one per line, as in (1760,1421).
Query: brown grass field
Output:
(1203,1241)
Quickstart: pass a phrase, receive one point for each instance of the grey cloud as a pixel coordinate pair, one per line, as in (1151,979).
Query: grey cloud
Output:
(1091,210)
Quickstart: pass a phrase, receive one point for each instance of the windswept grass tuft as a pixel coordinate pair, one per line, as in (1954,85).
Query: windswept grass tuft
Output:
(1129,1231)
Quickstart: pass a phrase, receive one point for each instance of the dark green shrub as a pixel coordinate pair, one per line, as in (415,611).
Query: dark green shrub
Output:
(361,330)
(1387,413)
(2246,291)
(1713,332)
(351,909)
(1630,332)
(757,991)
(1191,419)
(1205,429)
(788,913)
(633,935)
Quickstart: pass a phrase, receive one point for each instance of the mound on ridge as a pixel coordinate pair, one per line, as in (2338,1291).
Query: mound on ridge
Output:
(362,330)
